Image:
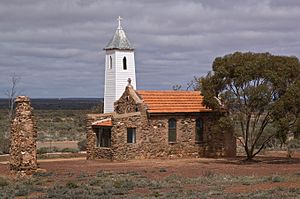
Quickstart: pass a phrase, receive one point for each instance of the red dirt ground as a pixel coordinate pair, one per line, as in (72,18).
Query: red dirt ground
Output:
(264,165)
(275,164)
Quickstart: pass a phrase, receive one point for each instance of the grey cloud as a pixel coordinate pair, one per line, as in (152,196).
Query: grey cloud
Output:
(55,46)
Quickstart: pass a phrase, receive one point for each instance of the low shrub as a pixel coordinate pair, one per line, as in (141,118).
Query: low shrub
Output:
(162,170)
(82,145)
(44,150)
(69,150)
(22,190)
(275,179)
(208,174)
(4,145)
(71,185)
(43,174)
(3,182)
(292,146)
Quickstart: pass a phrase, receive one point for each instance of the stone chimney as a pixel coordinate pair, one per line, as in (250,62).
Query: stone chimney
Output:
(23,139)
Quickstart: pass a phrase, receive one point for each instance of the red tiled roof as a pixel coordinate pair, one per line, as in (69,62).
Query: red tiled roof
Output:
(173,101)
(105,122)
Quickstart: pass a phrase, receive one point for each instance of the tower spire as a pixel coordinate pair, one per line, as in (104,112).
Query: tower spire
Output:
(119,40)
(119,22)
(119,67)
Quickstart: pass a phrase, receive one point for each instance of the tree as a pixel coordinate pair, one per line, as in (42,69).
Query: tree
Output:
(11,95)
(191,85)
(257,89)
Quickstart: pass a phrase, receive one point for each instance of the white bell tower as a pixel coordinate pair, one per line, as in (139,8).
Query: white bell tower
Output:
(119,67)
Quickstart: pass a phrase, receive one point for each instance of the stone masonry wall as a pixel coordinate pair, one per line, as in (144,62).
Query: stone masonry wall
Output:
(152,134)
(94,152)
(126,103)
(152,138)
(23,139)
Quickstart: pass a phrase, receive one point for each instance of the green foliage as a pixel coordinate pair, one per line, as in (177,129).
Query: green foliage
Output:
(162,170)
(275,179)
(4,124)
(60,125)
(97,109)
(257,89)
(124,185)
(69,150)
(225,123)
(42,174)
(294,144)
(71,185)
(82,145)
(3,182)
(44,150)
(4,145)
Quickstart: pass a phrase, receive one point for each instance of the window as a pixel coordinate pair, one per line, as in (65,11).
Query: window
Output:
(124,63)
(172,130)
(110,62)
(104,137)
(131,135)
(199,130)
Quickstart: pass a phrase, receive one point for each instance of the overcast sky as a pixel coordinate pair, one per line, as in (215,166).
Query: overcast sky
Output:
(56,47)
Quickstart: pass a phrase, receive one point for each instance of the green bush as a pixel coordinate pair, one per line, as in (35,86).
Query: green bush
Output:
(294,144)
(162,170)
(69,150)
(71,185)
(4,145)
(275,179)
(44,150)
(43,174)
(82,145)
(3,182)
(22,190)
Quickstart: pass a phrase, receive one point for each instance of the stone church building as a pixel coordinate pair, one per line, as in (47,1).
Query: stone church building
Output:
(140,124)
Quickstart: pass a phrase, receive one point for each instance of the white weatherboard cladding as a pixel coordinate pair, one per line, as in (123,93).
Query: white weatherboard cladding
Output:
(116,78)
(109,88)
(123,75)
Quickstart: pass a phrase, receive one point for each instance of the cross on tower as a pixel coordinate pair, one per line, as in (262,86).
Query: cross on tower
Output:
(119,21)
(129,81)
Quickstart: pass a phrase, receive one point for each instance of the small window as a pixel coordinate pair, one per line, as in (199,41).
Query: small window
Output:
(131,135)
(117,109)
(110,62)
(124,63)
(172,130)
(104,137)
(199,130)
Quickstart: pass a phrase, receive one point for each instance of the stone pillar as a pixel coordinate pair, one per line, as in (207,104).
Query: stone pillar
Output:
(23,139)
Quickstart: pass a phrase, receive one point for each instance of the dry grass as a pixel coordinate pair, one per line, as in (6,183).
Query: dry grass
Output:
(269,177)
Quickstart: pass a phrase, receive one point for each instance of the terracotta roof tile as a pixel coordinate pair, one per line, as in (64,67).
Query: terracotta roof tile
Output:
(173,101)
(105,122)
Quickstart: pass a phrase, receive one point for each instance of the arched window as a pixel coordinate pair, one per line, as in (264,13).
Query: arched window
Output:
(124,63)
(172,130)
(110,62)
(199,130)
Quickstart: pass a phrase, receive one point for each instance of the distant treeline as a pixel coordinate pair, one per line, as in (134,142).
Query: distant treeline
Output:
(60,103)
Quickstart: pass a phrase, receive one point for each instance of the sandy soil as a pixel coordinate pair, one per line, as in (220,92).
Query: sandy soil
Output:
(263,166)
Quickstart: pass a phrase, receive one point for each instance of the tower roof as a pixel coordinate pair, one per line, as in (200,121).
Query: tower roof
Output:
(119,40)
